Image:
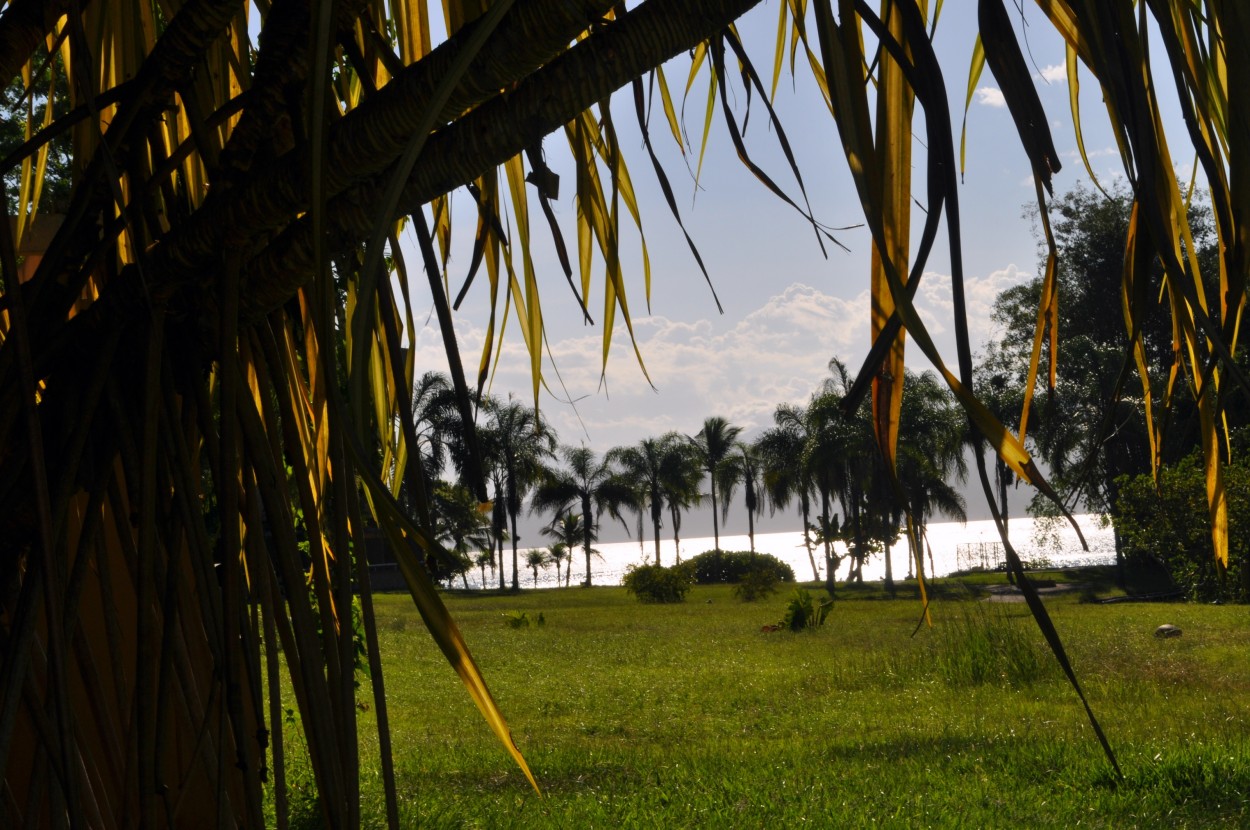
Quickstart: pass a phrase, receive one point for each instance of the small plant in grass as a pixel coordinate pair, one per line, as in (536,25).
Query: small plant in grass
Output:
(520,619)
(983,646)
(655,583)
(756,584)
(803,612)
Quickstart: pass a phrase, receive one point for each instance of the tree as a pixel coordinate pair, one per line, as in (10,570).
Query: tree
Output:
(930,456)
(536,558)
(750,473)
(1164,523)
(460,526)
(713,447)
(568,531)
(785,474)
(1094,427)
(679,484)
(659,470)
(521,444)
(590,485)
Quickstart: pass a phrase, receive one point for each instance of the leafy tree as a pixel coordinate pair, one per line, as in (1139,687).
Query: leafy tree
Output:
(1091,430)
(713,447)
(588,484)
(1167,523)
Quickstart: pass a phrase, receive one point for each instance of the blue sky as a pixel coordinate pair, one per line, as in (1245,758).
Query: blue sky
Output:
(787,308)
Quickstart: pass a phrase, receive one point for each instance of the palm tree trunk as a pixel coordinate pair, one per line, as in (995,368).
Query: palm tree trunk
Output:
(805,508)
(516,585)
(751,528)
(715,523)
(675,511)
(587,533)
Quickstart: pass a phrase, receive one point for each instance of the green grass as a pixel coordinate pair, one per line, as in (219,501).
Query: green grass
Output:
(643,715)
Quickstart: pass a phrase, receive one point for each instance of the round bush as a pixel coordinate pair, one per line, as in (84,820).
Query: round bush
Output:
(654,583)
(725,566)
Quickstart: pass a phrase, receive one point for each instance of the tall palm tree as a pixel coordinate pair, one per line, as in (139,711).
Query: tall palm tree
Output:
(522,443)
(644,465)
(436,421)
(841,455)
(786,476)
(679,482)
(930,457)
(714,446)
(588,484)
(750,470)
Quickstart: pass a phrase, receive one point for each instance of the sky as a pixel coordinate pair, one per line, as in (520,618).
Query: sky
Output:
(788,308)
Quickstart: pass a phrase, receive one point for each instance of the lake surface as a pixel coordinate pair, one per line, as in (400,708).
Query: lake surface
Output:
(953,546)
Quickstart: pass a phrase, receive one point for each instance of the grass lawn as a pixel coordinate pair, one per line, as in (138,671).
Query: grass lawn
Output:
(688,715)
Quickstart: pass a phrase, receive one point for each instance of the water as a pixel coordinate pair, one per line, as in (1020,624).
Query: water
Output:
(953,547)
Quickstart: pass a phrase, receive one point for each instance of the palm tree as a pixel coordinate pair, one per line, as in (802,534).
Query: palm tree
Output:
(932,438)
(750,471)
(485,557)
(536,558)
(714,446)
(568,531)
(459,525)
(521,443)
(645,465)
(786,476)
(556,554)
(588,484)
(840,453)
(679,482)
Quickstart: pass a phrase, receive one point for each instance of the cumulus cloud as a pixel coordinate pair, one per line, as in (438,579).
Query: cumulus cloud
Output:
(990,96)
(1054,73)
(778,353)
(979,295)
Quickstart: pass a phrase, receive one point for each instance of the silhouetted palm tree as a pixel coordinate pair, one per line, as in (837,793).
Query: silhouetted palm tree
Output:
(786,476)
(748,469)
(566,528)
(932,430)
(520,443)
(654,465)
(536,558)
(590,484)
(714,446)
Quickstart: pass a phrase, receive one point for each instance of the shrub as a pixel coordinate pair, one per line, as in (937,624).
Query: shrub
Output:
(756,584)
(802,612)
(1170,525)
(721,566)
(655,583)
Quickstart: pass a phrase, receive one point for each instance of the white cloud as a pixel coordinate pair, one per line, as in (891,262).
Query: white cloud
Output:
(741,370)
(979,295)
(991,96)
(1054,73)
(775,354)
